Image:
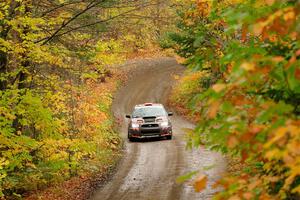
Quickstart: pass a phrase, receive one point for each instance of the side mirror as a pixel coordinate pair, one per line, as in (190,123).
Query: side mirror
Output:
(128,116)
(170,114)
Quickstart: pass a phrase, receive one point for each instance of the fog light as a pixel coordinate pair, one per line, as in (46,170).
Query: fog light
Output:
(164,124)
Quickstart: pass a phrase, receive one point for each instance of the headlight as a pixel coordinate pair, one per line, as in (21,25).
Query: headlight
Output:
(164,123)
(135,125)
(159,120)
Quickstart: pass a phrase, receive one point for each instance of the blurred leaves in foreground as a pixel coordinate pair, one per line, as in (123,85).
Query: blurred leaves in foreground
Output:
(248,95)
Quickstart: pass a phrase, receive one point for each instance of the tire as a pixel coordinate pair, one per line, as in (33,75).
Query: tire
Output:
(169,137)
(130,138)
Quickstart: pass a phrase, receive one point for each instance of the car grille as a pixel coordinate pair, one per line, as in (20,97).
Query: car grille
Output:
(149,125)
(150,131)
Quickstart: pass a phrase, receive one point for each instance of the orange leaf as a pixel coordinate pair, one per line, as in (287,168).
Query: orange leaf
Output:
(200,183)
(248,195)
(232,141)
(213,109)
(297,74)
(270,2)
(265,197)
(277,58)
(244,32)
(258,28)
(244,155)
(235,197)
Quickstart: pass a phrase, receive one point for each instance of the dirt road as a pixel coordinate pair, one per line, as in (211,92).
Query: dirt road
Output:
(149,169)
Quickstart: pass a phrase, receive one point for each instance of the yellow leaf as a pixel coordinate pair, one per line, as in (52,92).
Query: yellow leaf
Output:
(289,15)
(248,66)
(296,189)
(200,183)
(235,197)
(279,134)
(273,154)
(1,15)
(176,77)
(180,60)
(218,87)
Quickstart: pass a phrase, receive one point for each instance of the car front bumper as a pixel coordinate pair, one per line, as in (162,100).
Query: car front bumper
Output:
(143,132)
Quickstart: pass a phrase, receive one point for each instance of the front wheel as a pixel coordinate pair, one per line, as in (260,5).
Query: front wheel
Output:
(131,139)
(169,137)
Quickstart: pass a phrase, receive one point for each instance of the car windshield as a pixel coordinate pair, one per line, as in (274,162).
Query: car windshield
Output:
(149,111)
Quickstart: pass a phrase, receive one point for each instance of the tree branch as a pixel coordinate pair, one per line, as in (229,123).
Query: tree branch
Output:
(58,7)
(57,34)
(64,24)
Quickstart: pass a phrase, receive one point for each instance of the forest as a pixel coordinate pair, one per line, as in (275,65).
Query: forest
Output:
(56,85)
(241,87)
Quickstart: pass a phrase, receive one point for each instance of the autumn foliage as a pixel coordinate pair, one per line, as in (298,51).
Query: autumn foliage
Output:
(57,78)
(251,109)
(55,94)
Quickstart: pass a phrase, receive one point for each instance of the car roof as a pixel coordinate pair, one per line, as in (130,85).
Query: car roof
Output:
(148,105)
